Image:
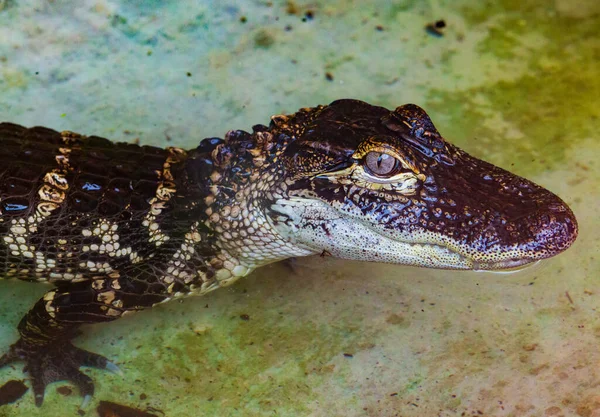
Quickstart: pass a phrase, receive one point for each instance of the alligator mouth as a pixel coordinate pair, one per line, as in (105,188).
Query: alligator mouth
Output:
(446,255)
(531,265)
(504,259)
(469,263)
(509,265)
(315,226)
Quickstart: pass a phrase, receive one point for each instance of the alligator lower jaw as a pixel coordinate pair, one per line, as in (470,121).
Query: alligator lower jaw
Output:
(468,263)
(508,265)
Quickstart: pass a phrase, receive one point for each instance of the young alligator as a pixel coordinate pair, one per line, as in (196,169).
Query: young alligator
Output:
(118,228)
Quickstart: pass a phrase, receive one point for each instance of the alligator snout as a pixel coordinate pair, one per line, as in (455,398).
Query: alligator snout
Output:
(524,229)
(554,229)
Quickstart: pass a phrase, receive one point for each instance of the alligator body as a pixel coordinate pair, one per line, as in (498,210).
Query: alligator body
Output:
(117,228)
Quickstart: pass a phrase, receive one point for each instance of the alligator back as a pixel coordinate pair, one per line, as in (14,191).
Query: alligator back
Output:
(63,197)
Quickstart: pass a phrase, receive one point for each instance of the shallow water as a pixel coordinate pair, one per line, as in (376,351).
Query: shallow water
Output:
(513,82)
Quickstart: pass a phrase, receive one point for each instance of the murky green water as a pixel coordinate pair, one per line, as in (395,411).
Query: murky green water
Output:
(513,82)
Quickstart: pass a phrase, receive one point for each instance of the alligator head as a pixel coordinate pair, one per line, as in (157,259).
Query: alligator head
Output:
(366,183)
(372,184)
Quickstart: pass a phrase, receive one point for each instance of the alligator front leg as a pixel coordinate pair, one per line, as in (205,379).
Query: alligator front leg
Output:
(47,329)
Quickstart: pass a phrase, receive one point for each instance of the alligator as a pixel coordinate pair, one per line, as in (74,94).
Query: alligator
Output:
(117,227)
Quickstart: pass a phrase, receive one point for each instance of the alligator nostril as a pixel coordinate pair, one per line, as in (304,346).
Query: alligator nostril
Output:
(557,228)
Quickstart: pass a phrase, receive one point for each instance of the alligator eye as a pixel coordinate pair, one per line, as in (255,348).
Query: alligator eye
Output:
(381,164)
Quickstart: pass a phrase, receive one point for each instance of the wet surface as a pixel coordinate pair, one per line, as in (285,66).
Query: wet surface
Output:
(511,82)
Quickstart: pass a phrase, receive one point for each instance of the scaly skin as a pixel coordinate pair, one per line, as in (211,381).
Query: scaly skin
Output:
(118,228)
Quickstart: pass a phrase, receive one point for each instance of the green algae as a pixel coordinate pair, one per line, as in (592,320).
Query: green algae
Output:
(122,24)
(276,363)
(392,9)
(412,385)
(491,9)
(199,22)
(256,356)
(13,78)
(544,112)
(5,4)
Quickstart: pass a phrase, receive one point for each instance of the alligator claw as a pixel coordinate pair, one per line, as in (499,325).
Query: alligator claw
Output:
(58,362)
(111,367)
(86,401)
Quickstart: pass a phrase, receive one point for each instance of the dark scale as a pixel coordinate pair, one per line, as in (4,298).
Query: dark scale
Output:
(118,227)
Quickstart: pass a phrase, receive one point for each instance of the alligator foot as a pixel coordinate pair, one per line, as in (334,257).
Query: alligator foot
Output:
(57,362)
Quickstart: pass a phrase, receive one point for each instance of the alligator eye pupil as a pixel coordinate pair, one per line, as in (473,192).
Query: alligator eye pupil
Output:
(380,163)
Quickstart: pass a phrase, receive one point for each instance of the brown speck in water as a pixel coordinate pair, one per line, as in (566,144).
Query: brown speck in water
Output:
(436,28)
(12,391)
(569,297)
(108,409)
(394,319)
(263,39)
(292,8)
(582,166)
(588,406)
(553,411)
(329,76)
